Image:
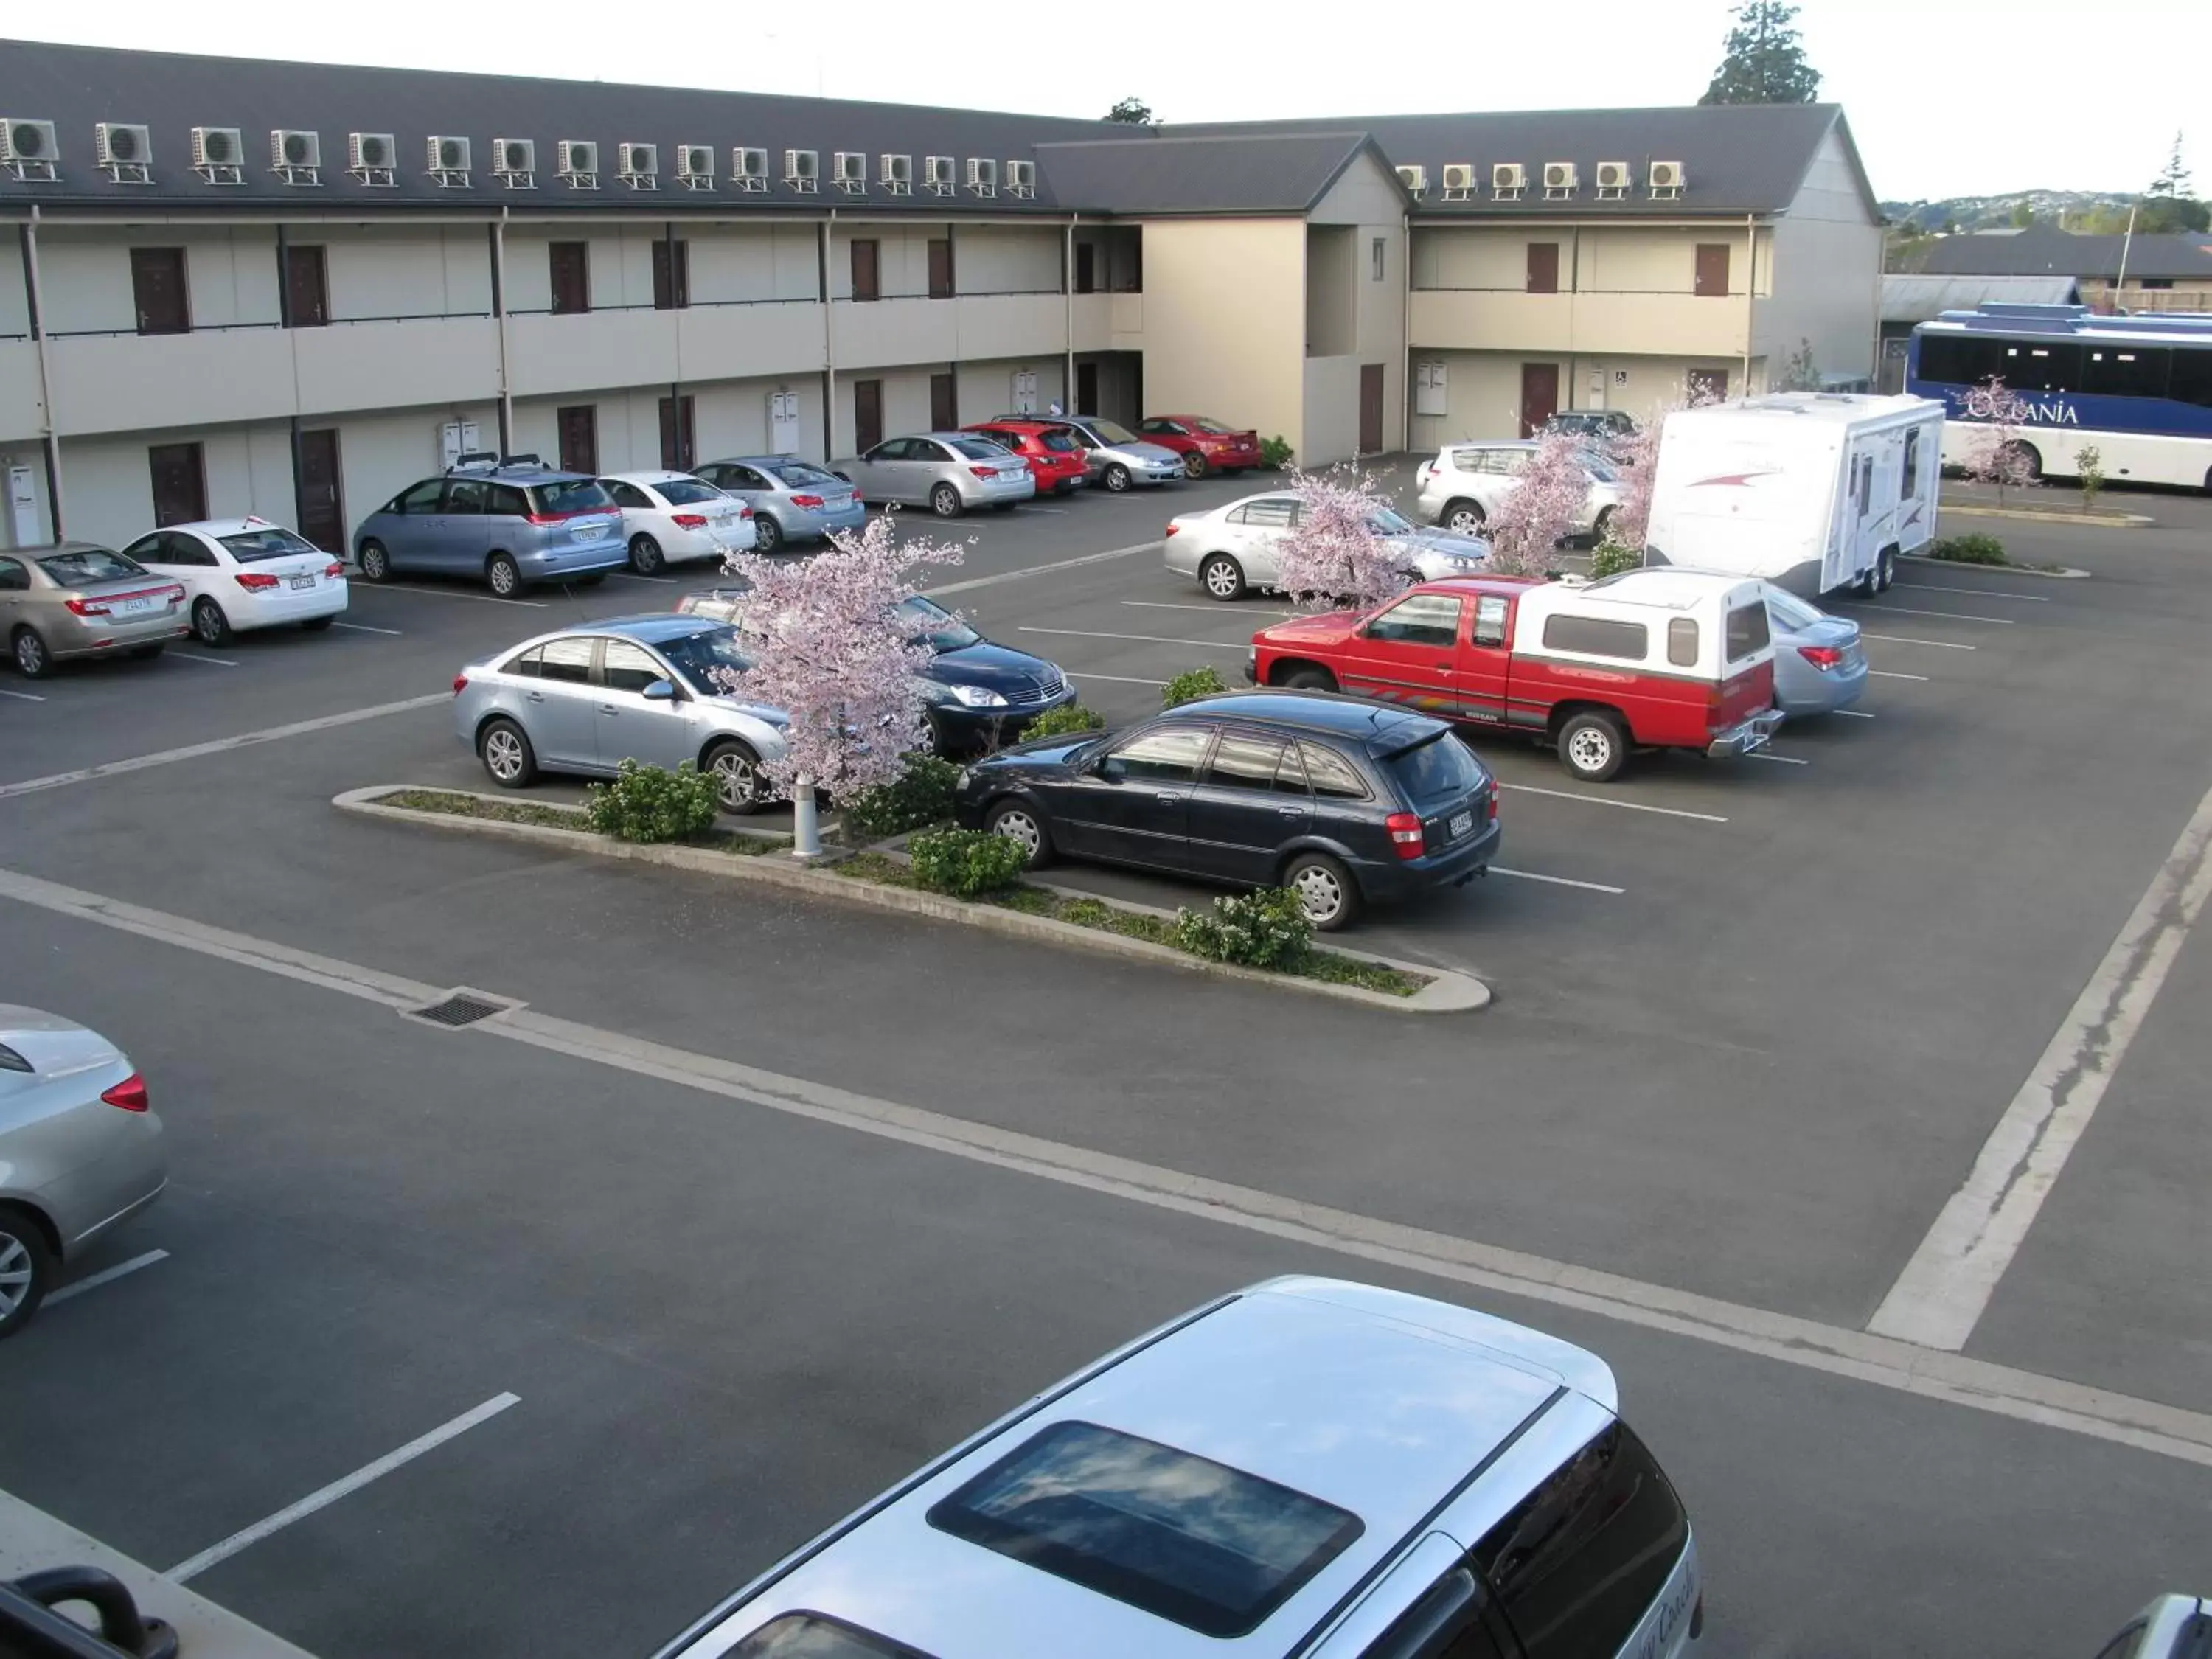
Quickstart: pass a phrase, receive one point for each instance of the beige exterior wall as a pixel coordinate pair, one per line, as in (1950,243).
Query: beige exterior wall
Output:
(987,389)
(1363,209)
(1483,388)
(1827,287)
(1224,320)
(1006,258)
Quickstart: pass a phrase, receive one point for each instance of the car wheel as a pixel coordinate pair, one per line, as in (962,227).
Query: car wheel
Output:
(1022,824)
(317,625)
(1117,477)
(1194,466)
(1464,518)
(1222,577)
(210,625)
(2026,458)
(945,502)
(1599,525)
(504,575)
(768,534)
(26,1269)
(645,554)
(1885,572)
(32,661)
(1326,891)
(375,563)
(737,772)
(1309,679)
(504,748)
(1592,746)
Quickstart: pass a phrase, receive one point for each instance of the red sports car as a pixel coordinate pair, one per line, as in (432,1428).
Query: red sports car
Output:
(1204,445)
(1056,461)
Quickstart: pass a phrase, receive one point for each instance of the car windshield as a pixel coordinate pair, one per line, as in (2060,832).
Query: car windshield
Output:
(1383,522)
(1110,432)
(707,658)
(799,475)
(1061,442)
(682,492)
(272,541)
(977,449)
(572,495)
(92,564)
(937,627)
(1441,765)
(1790,613)
(1598,467)
(1212,426)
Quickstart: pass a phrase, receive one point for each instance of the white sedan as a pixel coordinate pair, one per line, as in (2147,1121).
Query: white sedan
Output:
(243,573)
(1232,547)
(669,517)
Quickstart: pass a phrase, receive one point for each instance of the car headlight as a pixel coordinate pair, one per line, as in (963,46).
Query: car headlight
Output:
(961,782)
(979,697)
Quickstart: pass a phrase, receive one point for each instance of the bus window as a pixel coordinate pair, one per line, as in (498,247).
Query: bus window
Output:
(2126,371)
(2191,381)
(2029,366)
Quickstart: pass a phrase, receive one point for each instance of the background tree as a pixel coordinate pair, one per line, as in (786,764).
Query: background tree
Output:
(1994,452)
(2023,215)
(1132,113)
(831,650)
(1333,558)
(1541,510)
(1762,61)
(1799,371)
(1639,465)
(2169,204)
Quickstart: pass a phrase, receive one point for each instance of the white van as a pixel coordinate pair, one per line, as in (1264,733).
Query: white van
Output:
(1813,490)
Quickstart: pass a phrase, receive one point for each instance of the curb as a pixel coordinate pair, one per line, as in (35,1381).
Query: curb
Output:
(1448,992)
(31,1539)
(2052,515)
(2065,573)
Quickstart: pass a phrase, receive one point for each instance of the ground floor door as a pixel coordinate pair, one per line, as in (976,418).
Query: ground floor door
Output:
(579,425)
(1540,397)
(944,403)
(1370,409)
(322,509)
(180,478)
(867,415)
(1086,389)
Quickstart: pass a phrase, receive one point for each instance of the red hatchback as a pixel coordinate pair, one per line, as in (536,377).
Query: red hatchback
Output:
(1056,461)
(1204,445)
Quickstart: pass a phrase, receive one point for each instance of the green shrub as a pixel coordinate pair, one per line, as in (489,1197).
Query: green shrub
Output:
(1069,719)
(1610,558)
(1975,549)
(2089,463)
(966,862)
(1266,929)
(647,803)
(1275,453)
(1192,684)
(921,796)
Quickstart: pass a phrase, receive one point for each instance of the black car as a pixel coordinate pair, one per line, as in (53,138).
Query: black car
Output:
(1341,800)
(979,694)
(1606,427)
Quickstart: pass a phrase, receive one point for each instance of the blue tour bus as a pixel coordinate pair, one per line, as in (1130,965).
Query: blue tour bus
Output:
(2138,389)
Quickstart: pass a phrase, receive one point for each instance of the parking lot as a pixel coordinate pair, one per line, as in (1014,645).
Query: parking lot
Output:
(763,1200)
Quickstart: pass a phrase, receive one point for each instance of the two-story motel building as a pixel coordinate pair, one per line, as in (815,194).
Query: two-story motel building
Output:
(291,289)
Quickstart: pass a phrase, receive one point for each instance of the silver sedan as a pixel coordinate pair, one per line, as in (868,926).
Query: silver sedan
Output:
(79,1152)
(1233,548)
(947,472)
(1819,664)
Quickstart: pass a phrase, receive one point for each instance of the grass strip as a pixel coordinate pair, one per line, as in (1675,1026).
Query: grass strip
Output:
(452,804)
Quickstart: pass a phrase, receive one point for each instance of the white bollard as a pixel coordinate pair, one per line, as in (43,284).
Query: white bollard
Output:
(805,828)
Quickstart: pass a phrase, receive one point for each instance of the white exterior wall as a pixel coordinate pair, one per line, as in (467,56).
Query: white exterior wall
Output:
(1005,259)
(84,274)
(730,263)
(1827,285)
(987,389)
(1364,207)
(430,271)
(110,486)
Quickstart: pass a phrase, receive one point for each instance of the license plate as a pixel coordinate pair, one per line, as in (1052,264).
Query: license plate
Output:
(133,607)
(587,533)
(303,582)
(838,503)
(1462,823)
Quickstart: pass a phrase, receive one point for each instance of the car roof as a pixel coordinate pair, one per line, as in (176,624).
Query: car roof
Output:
(659,476)
(1325,713)
(648,628)
(1511,586)
(1020,423)
(1492,443)
(521,473)
(52,548)
(228,526)
(1371,1400)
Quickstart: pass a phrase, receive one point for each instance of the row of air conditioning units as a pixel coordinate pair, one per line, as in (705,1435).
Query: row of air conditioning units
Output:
(125,151)
(1562,181)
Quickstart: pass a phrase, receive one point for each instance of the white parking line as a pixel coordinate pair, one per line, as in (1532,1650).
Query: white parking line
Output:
(1217,608)
(1853,714)
(1117,679)
(1055,511)
(451,593)
(1978,593)
(1899,639)
(194,750)
(1556,881)
(633,576)
(211,662)
(1040,569)
(1892,674)
(1947,616)
(1939,1297)
(324,1496)
(22,696)
(1607,800)
(105,1276)
(1141,639)
(1780,760)
(364,627)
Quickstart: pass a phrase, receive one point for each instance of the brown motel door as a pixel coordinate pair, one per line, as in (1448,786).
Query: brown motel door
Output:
(1540,397)
(1370,409)
(322,513)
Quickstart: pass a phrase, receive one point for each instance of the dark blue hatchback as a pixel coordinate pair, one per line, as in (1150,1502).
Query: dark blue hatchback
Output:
(1343,801)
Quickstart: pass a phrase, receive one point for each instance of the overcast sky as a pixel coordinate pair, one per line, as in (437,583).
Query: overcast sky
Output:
(1946,97)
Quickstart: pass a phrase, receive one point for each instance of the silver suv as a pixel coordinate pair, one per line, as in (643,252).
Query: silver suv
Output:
(1462,486)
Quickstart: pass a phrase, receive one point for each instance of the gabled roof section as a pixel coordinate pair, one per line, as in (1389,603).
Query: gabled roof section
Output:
(2046,250)
(1919,298)
(1739,159)
(1238,172)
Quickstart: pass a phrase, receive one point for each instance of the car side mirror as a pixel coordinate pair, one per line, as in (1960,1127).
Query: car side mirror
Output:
(661,691)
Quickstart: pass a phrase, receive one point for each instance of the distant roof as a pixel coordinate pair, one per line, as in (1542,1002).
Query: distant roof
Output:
(2044,251)
(1916,297)
(1235,172)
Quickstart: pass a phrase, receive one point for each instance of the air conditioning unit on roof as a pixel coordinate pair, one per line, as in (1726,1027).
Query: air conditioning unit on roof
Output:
(1021,178)
(748,168)
(1415,179)
(982,175)
(579,160)
(849,168)
(802,170)
(369,158)
(1560,180)
(514,162)
(1668,179)
(898,175)
(1459,181)
(1611,180)
(219,155)
(448,159)
(938,174)
(695,166)
(1508,179)
(28,149)
(125,150)
(295,156)
(639,165)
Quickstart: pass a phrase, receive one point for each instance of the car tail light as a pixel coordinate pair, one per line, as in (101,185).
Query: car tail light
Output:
(542,518)
(255,582)
(809,503)
(460,683)
(745,512)
(1822,657)
(334,570)
(984,471)
(1490,806)
(688,520)
(130,1094)
(1405,829)
(86,607)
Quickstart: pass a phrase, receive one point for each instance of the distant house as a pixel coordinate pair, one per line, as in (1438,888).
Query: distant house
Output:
(2165,272)
(1917,297)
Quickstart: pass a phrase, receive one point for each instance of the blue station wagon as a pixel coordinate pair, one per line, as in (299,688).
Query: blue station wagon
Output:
(510,523)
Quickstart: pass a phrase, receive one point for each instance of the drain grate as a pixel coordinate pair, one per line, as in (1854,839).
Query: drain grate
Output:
(463,1008)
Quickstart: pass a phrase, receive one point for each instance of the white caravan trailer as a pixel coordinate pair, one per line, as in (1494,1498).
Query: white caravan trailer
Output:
(1813,490)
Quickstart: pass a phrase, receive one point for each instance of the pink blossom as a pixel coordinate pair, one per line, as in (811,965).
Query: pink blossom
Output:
(831,650)
(1994,453)
(1541,510)
(1335,557)
(1639,465)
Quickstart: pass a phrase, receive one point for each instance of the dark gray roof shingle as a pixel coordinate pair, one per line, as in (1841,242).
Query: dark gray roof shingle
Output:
(1917,298)
(1241,173)
(2046,251)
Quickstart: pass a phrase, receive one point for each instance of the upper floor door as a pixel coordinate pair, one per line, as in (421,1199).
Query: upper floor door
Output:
(157,289)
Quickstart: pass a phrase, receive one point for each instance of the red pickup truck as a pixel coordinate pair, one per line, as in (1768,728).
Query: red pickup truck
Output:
(1653,659)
